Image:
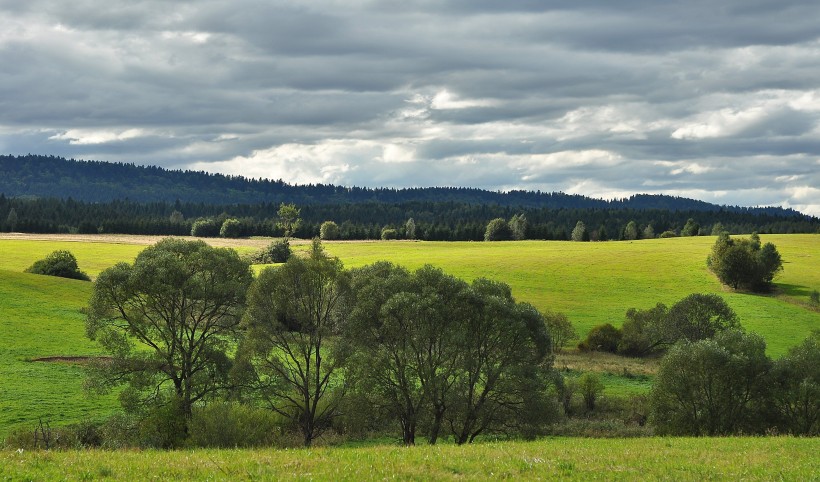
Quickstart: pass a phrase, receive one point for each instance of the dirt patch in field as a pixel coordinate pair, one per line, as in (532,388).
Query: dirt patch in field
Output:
(74,360)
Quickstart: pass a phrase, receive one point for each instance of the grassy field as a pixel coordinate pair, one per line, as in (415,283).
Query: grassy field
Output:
(772,458)
(592,283)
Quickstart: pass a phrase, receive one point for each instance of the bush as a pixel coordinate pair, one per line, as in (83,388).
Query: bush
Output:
(591,387)
(58,263)
(389,233)
(329,231)
(205,228)
(712,387)
(276,252)
(668,234)
(815,297)
(560,330)
(497,230)
(744,263)
(231,228)
(230,425)
(601,338)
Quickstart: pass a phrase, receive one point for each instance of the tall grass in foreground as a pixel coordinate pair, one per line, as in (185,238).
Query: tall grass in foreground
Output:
(730,458)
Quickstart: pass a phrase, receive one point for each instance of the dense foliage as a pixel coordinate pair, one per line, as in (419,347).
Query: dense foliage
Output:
(744,263)
(59,263)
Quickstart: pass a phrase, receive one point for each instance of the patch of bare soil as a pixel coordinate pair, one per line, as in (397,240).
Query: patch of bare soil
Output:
(78,360)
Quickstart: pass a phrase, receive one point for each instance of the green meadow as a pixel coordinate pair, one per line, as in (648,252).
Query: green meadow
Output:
(729,458)
(592,283)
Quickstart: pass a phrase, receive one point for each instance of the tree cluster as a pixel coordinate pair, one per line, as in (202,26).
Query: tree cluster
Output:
(653,331)
(727,385)
(744,263)
(320,346)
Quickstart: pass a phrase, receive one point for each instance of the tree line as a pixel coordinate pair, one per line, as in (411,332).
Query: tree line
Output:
(434,221)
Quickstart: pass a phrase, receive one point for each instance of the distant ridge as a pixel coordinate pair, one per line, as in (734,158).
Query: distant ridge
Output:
(96,181)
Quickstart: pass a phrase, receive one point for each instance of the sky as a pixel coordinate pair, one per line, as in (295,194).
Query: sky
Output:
(718,101)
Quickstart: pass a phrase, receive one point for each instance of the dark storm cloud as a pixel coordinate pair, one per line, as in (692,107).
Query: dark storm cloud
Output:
(714,100)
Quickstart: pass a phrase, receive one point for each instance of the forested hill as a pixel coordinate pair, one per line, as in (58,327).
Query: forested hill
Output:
(95,181)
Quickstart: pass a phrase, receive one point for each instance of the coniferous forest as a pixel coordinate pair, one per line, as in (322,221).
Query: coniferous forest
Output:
(46,194)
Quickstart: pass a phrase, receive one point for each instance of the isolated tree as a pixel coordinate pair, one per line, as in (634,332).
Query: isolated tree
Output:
(744,263)
(518,227)
(329,230)
(410,229)
(648,232)
(288,219)
(11,220)
(231,228)
(692,228)
(294,310)
(796,388)
(579,233)
(631,231)
(712,387)
(560,330)
(497,230)
(717,229)
(168,321)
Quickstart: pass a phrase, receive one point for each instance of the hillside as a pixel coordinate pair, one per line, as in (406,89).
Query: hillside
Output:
(95,181)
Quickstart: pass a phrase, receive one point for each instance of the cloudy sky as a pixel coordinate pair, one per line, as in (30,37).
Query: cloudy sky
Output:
(717,101)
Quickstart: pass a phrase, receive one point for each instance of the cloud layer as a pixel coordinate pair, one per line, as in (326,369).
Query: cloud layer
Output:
(716,101)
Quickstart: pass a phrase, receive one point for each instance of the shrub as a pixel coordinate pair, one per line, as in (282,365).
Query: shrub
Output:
(815,297)
(59,263)
(591,387)
(389,233)
(231,228)
(230,425)
(712,387)
(205,228)
(601,338)
(668,234)
(497,230)
(560,329)
(329,230)
(276,252)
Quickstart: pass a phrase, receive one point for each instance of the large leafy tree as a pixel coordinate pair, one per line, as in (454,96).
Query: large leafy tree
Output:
(712,387)
(168,321)
(294,312)
(796,388)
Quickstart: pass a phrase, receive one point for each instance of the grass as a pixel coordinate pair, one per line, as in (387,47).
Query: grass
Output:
(730,458)
(592,283)
(40,317)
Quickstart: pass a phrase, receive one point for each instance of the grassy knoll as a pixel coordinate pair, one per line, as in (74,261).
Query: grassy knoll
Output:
(574,459)
(40,317)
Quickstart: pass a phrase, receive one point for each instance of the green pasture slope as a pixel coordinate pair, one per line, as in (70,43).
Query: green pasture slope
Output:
(40,317)
(769,458)
(592,283)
